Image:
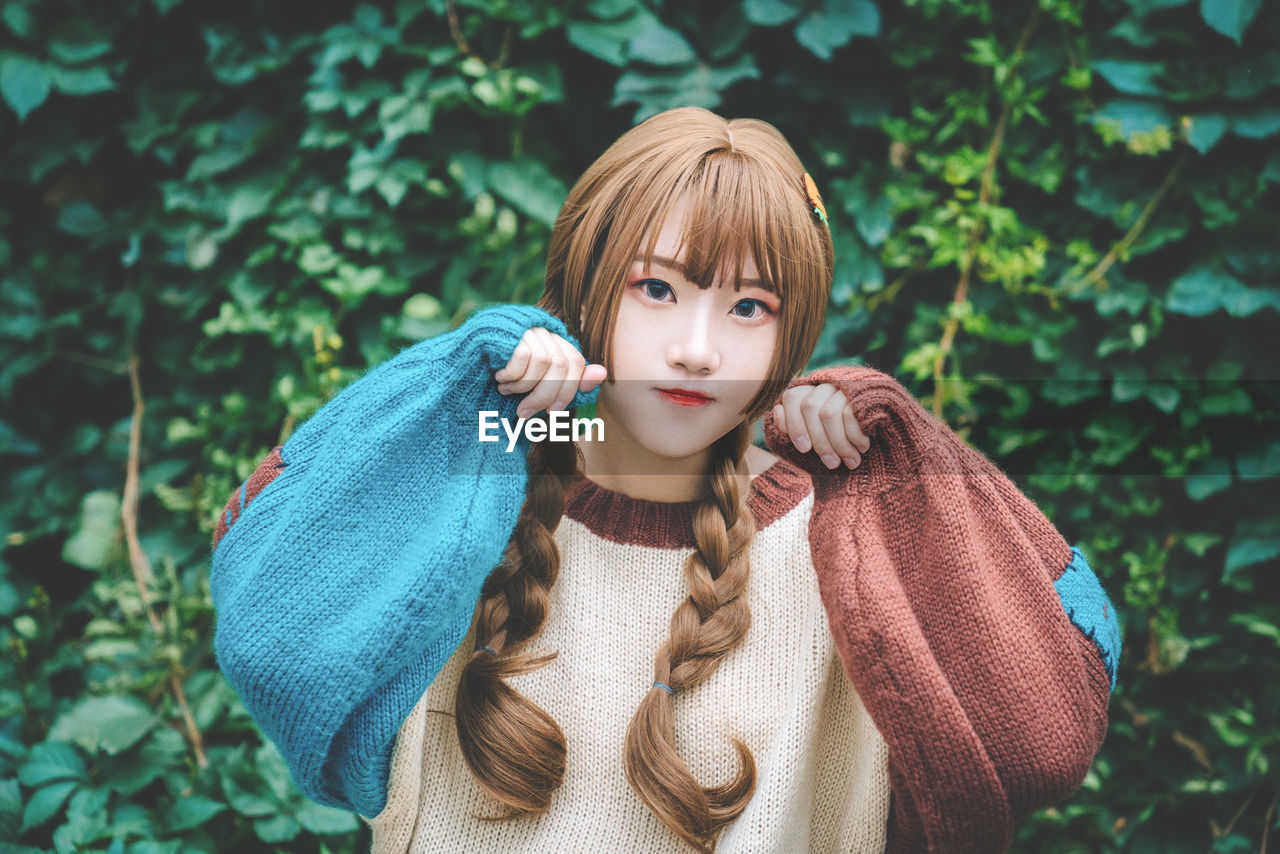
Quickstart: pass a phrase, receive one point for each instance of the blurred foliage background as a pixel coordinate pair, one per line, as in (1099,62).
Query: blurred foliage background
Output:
(1055,221)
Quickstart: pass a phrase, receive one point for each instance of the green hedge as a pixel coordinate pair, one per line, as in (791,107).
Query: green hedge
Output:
(1056,222)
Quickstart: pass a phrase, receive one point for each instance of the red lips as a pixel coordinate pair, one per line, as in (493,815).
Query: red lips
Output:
(685,396)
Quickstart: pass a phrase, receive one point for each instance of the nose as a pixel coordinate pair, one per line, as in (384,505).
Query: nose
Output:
(692,345)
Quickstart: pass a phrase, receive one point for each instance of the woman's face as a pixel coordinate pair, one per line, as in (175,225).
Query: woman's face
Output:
(671,334)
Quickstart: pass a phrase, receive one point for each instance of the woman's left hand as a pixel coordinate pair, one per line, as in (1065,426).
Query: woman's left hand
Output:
(819,417)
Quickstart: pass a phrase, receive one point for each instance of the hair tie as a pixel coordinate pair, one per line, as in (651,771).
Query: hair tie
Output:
(663,687)
(487,649)
(815,199)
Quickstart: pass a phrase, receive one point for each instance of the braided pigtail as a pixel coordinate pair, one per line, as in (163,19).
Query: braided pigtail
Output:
(710,623)
(515,749)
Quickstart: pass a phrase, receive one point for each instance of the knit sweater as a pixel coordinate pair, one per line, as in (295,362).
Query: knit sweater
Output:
(822,781)
(979,645)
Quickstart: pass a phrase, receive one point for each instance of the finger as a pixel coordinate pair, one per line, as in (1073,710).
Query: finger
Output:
(853,430)
(511,373)
(573,373)
(821,411)
(554,366)
(799,428)
(780,417)
(592,377)
(832,416)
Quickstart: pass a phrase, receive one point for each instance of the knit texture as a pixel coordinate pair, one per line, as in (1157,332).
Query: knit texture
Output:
(979,644)
(822,781)
(348,566)
(940,582)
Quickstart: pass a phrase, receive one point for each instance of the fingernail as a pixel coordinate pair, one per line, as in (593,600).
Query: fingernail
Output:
(850,462)
(802,444)
(830,460)
(557,406)
(522,412)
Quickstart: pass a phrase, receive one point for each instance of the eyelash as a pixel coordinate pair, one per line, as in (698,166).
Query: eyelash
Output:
(645,283)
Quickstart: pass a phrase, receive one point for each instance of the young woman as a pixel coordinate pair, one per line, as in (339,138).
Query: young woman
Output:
(662,638)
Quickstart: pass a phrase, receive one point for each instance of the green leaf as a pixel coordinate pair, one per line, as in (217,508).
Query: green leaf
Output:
(1259,124)
(1133,78)
(94,540)
(659,45)
(1205,289)
(530,187)
(111,724)
(1198,544)
(87,815)
(1132,118)
(24,83)
(45,803)
(1204,131)
(51,762)
(80,81)
(325,821)
(271,767)
(1259,460)
(769,13)
(190,811)
(1229,17)
(1142,7)
(11,813)
(608,41)
(278,828)
(836,22)
(1253,542)
(130,771)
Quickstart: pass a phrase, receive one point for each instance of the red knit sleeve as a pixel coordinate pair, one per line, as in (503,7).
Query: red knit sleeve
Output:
(267,469)
(937,575)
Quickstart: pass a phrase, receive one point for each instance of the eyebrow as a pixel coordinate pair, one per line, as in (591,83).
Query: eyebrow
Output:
(679,268)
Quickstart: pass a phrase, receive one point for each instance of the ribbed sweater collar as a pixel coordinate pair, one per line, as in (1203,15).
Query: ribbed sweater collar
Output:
(669,524)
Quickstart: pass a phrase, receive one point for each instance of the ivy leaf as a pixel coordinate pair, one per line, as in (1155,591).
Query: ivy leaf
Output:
(1206,289)
(10,808)
(1133,118)
(835,23)
(91,545)
(1229,17)
(191,811)
(608,40)
(24,83)
(80,81)
(1203,132)
(530,187)
(659,45)
(1142,7)
(112,723)
(325,821)
(1253,542)
(45,803)
(1132,78)
(278,828)
(52,762)
(769,13)
(1258,124)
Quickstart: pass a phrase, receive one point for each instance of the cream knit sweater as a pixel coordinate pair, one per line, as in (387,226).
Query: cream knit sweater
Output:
(822,766)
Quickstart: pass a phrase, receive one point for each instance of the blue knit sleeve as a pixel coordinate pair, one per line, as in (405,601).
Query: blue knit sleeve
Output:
(1091,610)
(348,580)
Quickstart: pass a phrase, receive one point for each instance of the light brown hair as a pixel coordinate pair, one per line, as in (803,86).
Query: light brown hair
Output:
(745,189)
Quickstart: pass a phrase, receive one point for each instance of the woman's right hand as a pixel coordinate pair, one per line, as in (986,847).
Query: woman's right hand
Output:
(550,366)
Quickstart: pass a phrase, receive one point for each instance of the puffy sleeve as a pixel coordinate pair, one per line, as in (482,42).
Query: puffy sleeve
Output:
(346,568)
(980,641)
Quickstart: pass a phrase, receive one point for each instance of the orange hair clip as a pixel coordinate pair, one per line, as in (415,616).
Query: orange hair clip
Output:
(815,199)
